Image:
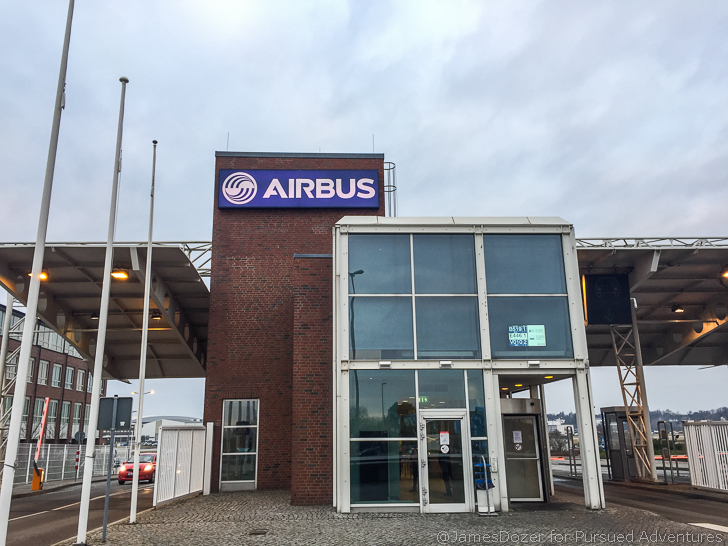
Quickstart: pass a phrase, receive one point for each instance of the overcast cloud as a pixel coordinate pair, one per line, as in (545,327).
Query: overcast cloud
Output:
(612,115)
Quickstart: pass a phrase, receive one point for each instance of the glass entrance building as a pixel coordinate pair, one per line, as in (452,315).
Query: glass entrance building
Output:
(438,323)
(379,363)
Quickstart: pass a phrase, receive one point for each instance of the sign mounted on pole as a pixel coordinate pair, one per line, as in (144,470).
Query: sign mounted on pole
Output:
(298,189)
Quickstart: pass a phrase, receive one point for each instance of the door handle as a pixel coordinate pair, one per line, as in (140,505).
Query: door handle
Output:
(423,466)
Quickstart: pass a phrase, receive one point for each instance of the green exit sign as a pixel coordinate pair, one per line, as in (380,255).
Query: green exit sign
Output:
(424,399)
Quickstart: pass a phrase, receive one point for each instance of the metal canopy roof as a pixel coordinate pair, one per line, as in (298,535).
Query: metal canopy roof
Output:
(71,297)
(663,273)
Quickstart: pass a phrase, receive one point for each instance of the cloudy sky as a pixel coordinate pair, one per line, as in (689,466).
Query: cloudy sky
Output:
(612,115)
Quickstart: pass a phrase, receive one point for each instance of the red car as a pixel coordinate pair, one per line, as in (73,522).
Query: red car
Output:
(147,469)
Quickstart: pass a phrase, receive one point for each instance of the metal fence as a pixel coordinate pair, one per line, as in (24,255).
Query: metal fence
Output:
(59,461)
(707,446)
(180,462)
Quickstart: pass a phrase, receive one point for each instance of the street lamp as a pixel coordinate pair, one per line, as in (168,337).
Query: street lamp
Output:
(138,418)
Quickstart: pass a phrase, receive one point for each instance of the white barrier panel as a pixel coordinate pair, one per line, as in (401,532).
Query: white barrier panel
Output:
(707,446)
(180,462)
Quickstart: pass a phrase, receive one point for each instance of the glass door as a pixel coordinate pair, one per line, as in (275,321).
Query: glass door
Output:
(447,479)
(523,461)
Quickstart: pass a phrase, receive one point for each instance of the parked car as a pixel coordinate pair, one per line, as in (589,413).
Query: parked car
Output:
(147,469)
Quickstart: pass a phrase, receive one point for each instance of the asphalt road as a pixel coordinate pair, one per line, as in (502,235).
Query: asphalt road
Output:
(42,520)
(673,506)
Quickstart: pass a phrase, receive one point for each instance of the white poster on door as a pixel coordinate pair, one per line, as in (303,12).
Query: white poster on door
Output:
(444,438)
(517,437)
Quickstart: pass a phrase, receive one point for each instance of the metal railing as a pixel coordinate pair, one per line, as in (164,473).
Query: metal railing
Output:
(59,461)
(707,447)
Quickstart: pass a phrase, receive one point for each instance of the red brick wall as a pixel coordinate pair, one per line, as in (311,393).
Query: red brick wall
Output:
(312,434)
(251,328)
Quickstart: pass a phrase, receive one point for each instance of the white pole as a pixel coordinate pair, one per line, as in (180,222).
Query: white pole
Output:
(16,414)
(101,338)
(143,351)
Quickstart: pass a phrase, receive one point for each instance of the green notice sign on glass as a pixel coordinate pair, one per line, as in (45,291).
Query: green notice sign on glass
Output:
(530,335)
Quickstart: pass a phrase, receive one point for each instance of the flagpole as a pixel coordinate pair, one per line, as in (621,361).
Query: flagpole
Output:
(101,337)
(143,351)
(16,414)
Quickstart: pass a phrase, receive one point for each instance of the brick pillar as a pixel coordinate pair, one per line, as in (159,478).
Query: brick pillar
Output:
(312,419)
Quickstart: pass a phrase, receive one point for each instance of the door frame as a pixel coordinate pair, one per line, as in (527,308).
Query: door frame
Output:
(424,484)
(539,457)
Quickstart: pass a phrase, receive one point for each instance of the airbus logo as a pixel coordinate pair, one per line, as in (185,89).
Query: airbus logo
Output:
(299,188)
(239,188)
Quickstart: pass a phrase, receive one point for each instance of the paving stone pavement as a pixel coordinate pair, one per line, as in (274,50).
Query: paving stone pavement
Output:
(234,518)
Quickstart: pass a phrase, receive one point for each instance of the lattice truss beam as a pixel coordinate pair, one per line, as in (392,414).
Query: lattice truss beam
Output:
(626,350)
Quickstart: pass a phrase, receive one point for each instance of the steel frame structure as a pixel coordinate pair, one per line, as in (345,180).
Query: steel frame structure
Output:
(628,353)
(652,242)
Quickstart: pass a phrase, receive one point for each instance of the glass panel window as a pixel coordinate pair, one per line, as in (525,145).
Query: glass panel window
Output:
(31,368)
(441,389)
(239,413)
(446,470)
(69,377)
(239,440)
(476,403)
(43,372)
(65,417)
(37,416)
(447,327)
(384,472)
(381,328)
(237,468)
(76,425)
(86,415)
(11,368)
(56,380)
(530,327)
(444,264)
(238,457)
(524,264)
(382,404)
(379,264)
(51,420)
(80,377)
(90,384)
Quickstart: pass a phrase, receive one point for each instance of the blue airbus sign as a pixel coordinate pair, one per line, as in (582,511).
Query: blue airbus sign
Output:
(298,189)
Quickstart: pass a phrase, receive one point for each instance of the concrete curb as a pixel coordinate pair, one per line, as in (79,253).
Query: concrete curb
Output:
(54,488)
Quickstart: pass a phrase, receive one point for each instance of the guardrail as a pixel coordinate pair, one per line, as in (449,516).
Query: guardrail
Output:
(707,447)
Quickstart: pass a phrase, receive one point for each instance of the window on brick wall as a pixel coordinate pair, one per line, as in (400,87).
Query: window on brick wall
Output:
(51,420)
(69,377)
(26,411)
(56,380)
(239,454)
(43,372)
(31,367)
(37,416)
(80,383)
(65,417)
